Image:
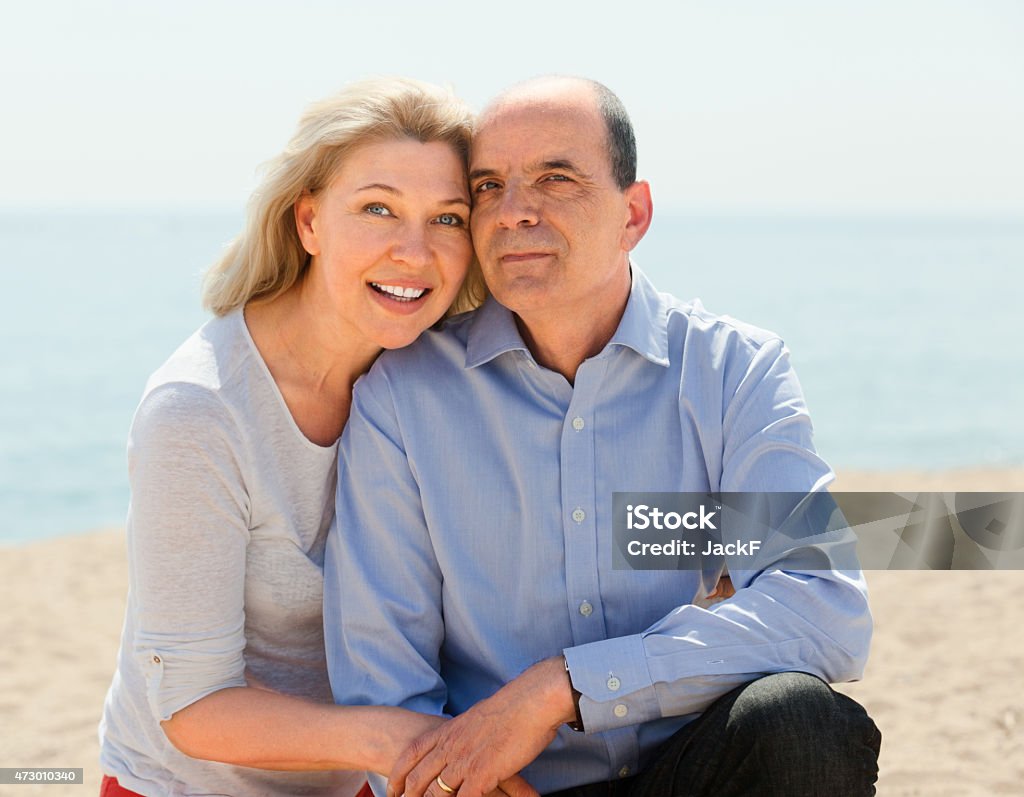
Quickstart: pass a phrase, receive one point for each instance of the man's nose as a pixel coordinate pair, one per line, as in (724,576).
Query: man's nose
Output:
(518,208)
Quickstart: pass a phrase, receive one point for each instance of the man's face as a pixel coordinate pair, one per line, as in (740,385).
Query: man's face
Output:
(548,222)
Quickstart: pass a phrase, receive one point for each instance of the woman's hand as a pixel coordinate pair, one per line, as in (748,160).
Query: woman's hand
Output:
(400,729)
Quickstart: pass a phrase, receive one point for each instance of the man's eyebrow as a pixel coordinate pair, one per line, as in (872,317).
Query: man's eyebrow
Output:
(557,164)
(476,174)
(560,164)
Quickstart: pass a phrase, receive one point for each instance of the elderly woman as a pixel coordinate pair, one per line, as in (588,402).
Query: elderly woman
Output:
(356,241)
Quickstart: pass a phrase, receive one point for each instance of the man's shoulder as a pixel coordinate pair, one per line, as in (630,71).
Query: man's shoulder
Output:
(691,321)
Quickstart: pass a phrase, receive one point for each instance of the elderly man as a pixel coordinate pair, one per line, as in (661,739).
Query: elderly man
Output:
(470,571)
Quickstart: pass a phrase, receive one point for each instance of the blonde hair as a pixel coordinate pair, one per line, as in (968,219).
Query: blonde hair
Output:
(268,258)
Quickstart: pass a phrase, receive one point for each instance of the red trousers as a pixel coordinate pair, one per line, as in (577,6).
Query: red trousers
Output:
(111,788)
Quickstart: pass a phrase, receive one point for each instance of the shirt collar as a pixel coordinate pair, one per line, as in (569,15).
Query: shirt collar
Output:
(643,328)
(493,332)
(644,324)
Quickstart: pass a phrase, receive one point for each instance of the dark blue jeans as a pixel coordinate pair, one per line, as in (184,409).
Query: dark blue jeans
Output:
(788,735)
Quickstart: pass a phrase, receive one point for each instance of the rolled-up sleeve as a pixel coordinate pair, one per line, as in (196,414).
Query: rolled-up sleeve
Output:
(187,540)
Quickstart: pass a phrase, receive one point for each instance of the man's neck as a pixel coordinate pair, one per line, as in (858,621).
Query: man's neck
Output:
(561,343)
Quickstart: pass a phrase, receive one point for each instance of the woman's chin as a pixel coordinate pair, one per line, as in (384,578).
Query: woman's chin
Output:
(399,339)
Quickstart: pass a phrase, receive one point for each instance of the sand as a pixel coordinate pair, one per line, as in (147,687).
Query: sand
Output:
(945,682)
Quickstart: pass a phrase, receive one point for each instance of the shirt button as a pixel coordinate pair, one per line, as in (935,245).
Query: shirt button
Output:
(614,684)
(620,710)
(624,772)
(586,609)
(579,515)
(156,659)
(578,423)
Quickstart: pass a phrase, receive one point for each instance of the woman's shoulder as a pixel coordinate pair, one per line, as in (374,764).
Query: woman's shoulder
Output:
(196,384)
(209,358)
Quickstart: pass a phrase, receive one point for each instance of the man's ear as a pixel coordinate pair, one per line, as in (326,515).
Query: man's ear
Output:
(305,217)
(641,210)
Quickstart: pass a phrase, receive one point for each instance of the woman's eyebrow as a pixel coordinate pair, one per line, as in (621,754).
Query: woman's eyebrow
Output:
(390,189)
(397,193)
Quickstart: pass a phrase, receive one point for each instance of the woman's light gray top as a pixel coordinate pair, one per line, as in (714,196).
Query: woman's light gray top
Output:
(230,506)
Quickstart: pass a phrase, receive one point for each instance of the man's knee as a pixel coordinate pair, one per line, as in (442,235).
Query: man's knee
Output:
(783,700)
(797,721)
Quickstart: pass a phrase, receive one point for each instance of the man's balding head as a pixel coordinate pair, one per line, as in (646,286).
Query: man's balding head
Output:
(557,89)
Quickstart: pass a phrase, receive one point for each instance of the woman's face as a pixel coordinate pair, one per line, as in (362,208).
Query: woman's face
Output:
(389,239)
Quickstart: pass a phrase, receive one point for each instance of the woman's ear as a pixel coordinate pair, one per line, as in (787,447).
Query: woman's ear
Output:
(305,222)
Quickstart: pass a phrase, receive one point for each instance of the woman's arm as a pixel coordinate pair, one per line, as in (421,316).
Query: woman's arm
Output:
(257,728)
(188,545)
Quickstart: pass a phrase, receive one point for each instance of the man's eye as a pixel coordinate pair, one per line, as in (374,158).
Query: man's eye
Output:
(450,220)
(377,209)
(486,185)
(557,178)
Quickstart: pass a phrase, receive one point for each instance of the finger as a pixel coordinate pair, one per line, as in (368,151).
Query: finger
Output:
(409,758)
(446,783)
(723,589)
(440,788)
(516,786)
(422,780)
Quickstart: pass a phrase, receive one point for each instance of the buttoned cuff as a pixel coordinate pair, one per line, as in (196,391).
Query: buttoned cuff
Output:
(176,678)
(614,682)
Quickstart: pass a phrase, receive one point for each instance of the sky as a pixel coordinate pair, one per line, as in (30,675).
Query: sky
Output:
(875,108)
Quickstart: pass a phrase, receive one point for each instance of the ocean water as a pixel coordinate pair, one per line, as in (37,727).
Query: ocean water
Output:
(905,334)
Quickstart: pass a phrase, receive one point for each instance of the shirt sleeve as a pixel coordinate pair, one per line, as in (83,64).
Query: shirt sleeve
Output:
(187,538)
(785,618)
(383,616)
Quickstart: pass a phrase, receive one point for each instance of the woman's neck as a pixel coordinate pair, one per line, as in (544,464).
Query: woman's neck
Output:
(314,357)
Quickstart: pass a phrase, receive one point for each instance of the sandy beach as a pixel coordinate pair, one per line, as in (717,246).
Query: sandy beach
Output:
(945,682)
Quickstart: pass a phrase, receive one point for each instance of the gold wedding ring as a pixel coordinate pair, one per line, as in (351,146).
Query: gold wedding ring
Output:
(444,786)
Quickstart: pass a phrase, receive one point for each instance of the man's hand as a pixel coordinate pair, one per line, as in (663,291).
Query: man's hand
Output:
(401,729)
(723,589)
(482,750)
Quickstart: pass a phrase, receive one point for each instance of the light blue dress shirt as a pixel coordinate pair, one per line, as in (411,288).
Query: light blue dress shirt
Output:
(473,535)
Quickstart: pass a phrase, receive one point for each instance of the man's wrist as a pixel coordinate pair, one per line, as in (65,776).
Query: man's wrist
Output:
(549,691)
(576,723)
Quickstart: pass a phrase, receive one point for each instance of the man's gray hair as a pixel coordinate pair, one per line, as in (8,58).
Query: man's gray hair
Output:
(621,141)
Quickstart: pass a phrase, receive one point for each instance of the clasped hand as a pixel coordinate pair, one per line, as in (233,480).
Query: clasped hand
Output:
(481,751)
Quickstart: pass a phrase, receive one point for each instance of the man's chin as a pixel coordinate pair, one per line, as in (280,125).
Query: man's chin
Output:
(524,294)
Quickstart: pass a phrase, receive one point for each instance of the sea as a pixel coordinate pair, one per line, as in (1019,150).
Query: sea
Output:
(905,333)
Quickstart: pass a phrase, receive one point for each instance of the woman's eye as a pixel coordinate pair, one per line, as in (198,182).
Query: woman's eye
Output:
(378,210)
(450,220)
